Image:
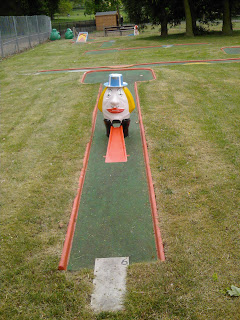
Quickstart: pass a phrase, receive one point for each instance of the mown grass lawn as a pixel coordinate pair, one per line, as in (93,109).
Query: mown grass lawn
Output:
(78,15)
(73,15)
(191,115)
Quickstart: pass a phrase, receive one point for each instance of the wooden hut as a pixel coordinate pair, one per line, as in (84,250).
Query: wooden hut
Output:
(106,19)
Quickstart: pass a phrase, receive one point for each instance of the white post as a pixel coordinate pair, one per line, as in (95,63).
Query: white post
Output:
(15,28)
(50,26)
(38,29)
(1,42)
(29,39)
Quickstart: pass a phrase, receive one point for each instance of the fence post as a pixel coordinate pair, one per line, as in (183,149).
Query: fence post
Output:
(50,27)
(29,39)
(38,29)
(1,42)
(15,29)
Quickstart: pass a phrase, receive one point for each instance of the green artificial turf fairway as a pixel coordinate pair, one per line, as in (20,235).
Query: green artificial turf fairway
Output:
(114,217)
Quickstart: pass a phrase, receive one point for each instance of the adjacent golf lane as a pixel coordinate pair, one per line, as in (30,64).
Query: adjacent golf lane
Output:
(142,65)
(114,217)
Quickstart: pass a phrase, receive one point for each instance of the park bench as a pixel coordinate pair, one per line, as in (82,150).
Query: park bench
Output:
(120,29)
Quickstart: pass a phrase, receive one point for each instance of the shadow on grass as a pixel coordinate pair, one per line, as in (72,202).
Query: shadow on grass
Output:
(158,38)
(182,36)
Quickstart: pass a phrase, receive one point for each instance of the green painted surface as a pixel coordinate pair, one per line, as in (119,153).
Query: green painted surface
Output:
(232,50)
(114,217)
(129,76)
(150,65)
(107,44)
(101,51)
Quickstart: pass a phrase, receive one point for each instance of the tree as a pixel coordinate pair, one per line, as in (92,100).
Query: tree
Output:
(228,8)
(93,6)
(64,7)
(77,3)
(51,7)
(160,12)
(189,18)
(13,7)
(227,23)
(136,11)
(208,11)
(29,7)
(166,12)
(159,15)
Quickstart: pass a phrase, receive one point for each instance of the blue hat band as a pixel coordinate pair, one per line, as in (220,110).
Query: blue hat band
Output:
(115,80)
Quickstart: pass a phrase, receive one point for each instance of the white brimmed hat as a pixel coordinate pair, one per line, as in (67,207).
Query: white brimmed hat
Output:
(115,80)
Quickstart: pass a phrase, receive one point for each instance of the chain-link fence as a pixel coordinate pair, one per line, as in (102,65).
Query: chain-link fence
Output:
(87,26)
(21,33)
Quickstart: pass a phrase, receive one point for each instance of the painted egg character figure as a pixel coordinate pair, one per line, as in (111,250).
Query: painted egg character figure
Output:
(116,103)
(136,32)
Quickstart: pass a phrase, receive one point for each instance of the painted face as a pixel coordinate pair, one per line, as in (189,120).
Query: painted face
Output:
(115,104)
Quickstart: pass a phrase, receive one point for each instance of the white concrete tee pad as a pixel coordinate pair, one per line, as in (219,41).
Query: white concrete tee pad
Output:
(109,283)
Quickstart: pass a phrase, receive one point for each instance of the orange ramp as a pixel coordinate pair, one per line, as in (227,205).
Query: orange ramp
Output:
(116,150)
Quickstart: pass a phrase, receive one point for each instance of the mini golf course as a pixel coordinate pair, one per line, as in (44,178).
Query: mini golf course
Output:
(145,65)
(114,213)
(108,44)
(231,50)
(114,217)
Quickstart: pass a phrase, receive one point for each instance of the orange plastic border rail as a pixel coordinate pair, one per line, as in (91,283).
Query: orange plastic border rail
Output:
(72,223)
(229,47)
(73,218)
(138,65)
(158,238)
(157,232)
(116,69)
(147,47)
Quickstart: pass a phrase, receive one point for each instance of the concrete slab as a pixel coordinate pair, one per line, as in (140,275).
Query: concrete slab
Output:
(109,283)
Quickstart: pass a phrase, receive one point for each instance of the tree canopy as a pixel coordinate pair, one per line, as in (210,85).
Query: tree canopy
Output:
(64,7)
(162,12)
(93,6)
(166,12)
(29,7)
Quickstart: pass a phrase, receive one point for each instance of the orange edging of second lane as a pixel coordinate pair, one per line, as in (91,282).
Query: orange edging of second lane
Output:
(72,222)
(229,47)
(139,65)
(117,69)
(152,198)
(146,47)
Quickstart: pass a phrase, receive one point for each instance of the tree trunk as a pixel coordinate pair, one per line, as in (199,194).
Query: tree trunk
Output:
(164,28)
(227,23)
(118,15)
(189,22)
(163,20)
(193,14)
